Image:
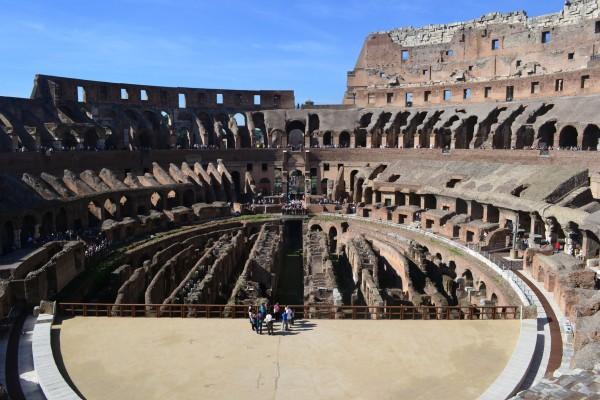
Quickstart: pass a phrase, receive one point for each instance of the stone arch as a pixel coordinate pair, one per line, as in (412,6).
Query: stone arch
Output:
(332,239)
(296,184)
(316,228)
(546,133)
(172,199)
(494,299)
(327,139)
(358,189)
(360,138)
(525,137)
(591,135)
(47,225)
(62,222)
(345,227)
(467,275)
(568,137)
(482,289)
(344,139)
(188,198)
(324,186)
(126,207)
(264,186)
(94,215)
(184,138)
(276,138)
(260,129)
(295,134)
(237,183)
(461,206)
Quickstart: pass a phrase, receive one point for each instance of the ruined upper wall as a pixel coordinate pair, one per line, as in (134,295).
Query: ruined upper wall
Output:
(59,89)
(573,12)
(549,55)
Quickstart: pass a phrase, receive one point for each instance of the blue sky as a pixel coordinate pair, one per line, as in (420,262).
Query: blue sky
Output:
(304,45)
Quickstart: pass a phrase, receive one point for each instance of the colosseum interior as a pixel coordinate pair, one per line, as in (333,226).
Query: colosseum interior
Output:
(443,221)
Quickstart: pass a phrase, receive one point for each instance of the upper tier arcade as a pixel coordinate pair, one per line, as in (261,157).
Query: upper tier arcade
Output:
(497,57)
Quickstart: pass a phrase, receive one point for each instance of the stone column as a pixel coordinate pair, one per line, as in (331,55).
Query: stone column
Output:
(369,140)
(432,141)
(401,140)
(531,239)
(550,231)
(384,140)
(417,140)
(570,233)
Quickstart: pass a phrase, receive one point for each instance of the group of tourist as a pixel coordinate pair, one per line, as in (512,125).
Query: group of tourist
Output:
(294,207)
(267,315)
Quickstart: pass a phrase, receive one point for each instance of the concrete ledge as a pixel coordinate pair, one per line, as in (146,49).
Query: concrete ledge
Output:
(50,379)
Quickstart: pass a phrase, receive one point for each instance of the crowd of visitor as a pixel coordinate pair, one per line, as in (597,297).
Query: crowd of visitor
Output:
(294,207)
(267,315)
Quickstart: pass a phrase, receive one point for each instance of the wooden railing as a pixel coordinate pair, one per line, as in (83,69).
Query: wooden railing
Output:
(316,311)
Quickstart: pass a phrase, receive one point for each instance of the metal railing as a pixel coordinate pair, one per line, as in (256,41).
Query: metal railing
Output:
(306,311)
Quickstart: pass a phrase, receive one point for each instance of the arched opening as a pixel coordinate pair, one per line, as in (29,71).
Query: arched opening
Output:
(461,206)
(94,215)
(237,185)
(359,190)
(156,202)
(240,119)
(430,201)
(344,139)
(568,137)
(264,186)
(482,289)
(276,139)
(360,138)
(61,221)
(525,137)
(188,198)
(476,210)
(327,139)
(90,139)
(324,186)
(345,227)
(591,134)
(28,231)
(316,228)
(494,299)
(47,226)
(126,207)
(468,277)
(332,240)
(110,207)
(8,237)
(260,130)
(296,189)
(183,138)
(295,132)
(546,134)
(172,200)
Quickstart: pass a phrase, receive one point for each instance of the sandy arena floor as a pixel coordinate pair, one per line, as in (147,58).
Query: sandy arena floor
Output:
(121,358)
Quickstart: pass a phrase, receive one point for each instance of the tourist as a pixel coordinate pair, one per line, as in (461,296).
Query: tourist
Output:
(290,314)
(262,309)
(284,322)
(259,322)
(276,311)
(269,322)
(251,317)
